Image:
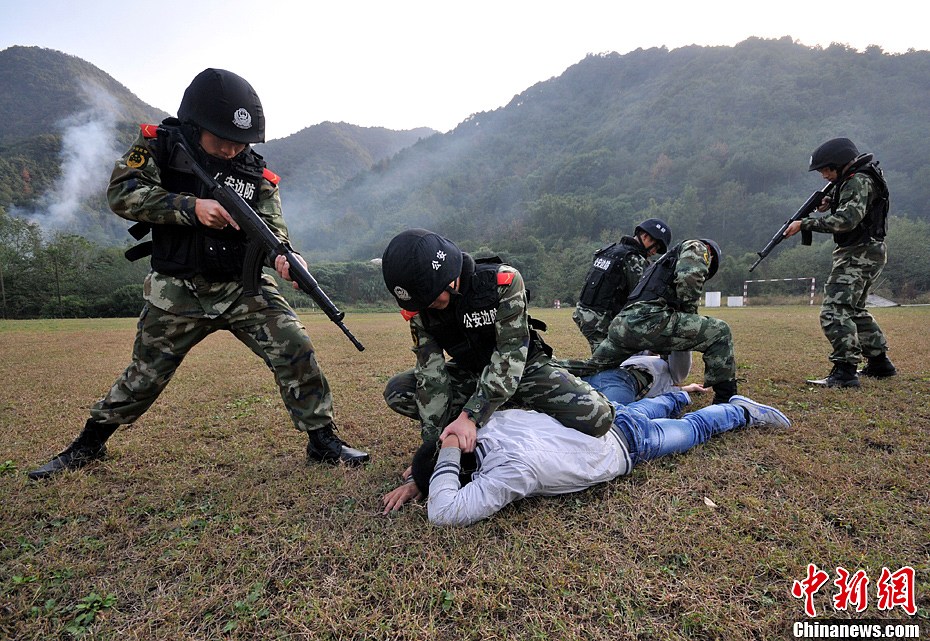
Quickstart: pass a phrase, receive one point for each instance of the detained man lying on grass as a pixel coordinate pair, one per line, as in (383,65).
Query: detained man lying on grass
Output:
(641,376)
(522,453)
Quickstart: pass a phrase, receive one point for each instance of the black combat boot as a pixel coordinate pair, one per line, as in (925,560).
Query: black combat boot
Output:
(90,445)
(842,375)
(723,391)
(879,367)
(325,447)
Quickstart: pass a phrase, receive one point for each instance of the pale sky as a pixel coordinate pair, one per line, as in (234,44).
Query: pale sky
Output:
(416,63)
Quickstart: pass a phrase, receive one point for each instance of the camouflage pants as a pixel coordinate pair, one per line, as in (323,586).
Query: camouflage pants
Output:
(543,387)
(846,323)
(593,324)
(267,325)
(663,331)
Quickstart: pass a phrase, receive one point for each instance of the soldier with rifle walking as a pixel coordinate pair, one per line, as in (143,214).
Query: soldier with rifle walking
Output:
(856,215)
(198,252)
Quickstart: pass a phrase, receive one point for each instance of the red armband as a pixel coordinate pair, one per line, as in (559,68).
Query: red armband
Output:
(149,131)
(504,278)
(408,316)
(270,176)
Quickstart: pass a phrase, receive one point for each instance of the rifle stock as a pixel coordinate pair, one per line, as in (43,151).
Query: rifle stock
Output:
(261,241)
(811,204)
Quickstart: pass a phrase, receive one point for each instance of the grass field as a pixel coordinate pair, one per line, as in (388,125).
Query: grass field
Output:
(204,522)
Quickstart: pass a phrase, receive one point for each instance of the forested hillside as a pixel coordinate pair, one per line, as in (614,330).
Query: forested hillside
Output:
(65,123)
(715,140)
(320,159)
(62,116)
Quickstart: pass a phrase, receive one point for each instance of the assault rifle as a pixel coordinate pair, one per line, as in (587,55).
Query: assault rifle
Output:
(809,206)
(262,241)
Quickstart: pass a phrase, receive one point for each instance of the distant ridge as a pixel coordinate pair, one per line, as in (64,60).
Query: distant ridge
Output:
(46,96)
(321,158)
(40,88)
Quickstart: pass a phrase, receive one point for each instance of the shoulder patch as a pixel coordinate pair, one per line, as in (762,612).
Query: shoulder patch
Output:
(270,176)
(137,157)
(408,316)
(149,131)
(504,278)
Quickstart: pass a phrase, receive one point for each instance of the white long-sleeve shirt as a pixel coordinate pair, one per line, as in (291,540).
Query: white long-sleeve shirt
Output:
(521,453)
(665,375)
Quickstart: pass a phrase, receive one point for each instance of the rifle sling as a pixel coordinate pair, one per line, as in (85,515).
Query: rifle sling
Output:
(138,251)
(140,230)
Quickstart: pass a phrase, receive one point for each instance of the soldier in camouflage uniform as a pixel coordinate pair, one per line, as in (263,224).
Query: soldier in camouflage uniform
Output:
(661,316)
(857,218)
(194,288)
(614,273)
(476,312)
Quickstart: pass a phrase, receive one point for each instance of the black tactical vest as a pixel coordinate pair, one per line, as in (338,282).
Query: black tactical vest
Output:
(465,329)
(658,281)
(874,225)
(604,286)
(183,251)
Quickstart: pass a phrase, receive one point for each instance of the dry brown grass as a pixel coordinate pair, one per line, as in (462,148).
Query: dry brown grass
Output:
(204,522)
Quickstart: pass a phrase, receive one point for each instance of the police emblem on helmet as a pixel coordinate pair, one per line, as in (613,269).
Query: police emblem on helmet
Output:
(242,118)
(401,293)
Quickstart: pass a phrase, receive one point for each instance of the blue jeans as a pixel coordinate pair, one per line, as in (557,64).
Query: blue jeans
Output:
(617,384)
(650,434)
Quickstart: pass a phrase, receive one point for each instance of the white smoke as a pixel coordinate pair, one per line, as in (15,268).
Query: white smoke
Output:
(87,154)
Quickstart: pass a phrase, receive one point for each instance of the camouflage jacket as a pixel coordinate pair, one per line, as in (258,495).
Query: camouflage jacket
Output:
(499,379)
(690,274)
(851,209)
(135,193)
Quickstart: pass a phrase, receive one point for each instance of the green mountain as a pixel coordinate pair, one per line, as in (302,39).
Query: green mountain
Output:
(714,139)
(65,119)
(41,90)
(322,158)
(64,122)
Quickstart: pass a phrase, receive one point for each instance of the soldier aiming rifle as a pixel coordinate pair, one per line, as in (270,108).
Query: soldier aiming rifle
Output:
(198,254)
(857,216)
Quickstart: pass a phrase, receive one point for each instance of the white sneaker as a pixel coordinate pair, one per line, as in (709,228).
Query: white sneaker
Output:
(760,415)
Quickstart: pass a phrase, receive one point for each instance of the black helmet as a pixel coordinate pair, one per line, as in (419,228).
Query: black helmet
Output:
(659,231)
(716,256)
(417,267)
(224,104)
(835,153)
